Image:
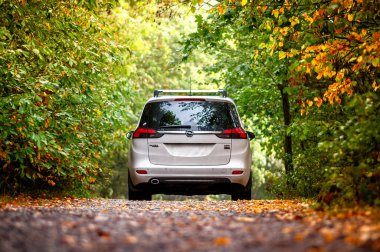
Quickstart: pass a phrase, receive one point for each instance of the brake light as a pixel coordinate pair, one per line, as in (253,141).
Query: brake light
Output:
(237,172)
(141,172)
(190,99)
(146,133)
(235,133)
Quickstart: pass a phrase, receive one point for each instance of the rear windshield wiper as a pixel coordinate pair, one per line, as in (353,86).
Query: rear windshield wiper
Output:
(175,127)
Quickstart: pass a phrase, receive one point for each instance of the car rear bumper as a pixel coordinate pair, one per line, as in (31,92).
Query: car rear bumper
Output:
(190,186)
(182,174)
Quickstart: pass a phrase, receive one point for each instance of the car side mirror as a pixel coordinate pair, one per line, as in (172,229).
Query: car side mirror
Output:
(251,135)
(130,134)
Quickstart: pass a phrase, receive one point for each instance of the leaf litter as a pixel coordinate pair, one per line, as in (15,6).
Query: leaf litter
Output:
(70,224)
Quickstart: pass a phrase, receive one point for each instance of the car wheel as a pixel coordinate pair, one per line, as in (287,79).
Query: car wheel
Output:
(246,194)
(133,194)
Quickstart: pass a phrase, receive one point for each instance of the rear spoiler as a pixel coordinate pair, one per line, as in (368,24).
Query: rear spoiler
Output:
(191,92)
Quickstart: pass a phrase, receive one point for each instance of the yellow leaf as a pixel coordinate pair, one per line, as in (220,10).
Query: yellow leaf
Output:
(350,17)
(275,13)
(244,2)
(294,51)
(246,219)
(294,21)
(375,86)
(288,6)
(376,62)
(309,103)
(309,19)
(282,55)
(262,45)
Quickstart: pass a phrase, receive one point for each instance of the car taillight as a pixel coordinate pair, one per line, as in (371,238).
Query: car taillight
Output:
(141,171)
(235,133)
(146,133)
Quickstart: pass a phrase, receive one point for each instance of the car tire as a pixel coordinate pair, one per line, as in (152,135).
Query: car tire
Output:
(134,194)
(246,194)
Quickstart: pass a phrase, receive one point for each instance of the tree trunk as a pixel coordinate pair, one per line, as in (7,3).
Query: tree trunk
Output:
(288,160)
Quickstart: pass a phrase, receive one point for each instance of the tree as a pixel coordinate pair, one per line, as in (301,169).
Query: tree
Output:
(57,90)
(311,52)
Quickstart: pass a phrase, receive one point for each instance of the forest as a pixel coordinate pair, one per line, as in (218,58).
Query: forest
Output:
(304,74)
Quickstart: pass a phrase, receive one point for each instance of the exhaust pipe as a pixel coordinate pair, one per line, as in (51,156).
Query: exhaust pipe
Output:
(154,181)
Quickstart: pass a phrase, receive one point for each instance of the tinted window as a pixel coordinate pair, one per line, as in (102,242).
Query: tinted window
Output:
(194,115)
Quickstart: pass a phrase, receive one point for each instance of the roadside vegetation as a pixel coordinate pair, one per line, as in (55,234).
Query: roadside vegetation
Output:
(304,74)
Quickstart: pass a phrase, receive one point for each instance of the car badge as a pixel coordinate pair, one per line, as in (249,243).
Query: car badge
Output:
(189,133)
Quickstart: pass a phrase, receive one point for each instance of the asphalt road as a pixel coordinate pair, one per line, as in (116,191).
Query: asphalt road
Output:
(122,225)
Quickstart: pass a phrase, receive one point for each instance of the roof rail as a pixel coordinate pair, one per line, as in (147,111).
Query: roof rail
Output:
(191,92)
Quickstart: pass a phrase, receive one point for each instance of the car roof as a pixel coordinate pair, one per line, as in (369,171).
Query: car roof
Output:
(206,98)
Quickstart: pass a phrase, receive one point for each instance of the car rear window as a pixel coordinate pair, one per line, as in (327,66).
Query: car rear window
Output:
(194,115)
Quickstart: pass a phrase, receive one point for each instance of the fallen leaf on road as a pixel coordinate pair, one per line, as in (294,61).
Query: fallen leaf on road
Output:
(104,234)
(222,241)
(328,234)
(69,240)
(245,219)
(131,239)
(298,237)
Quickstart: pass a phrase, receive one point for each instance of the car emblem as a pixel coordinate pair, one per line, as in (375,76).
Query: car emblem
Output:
(189,133)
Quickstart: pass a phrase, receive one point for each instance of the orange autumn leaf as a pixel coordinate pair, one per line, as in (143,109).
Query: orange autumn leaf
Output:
(318,101)
(327,234)
(221,9)
(51,182)
(299,237)
(222,241)
(376,35)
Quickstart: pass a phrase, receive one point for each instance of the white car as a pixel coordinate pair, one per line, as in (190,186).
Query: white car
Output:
(189,145)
